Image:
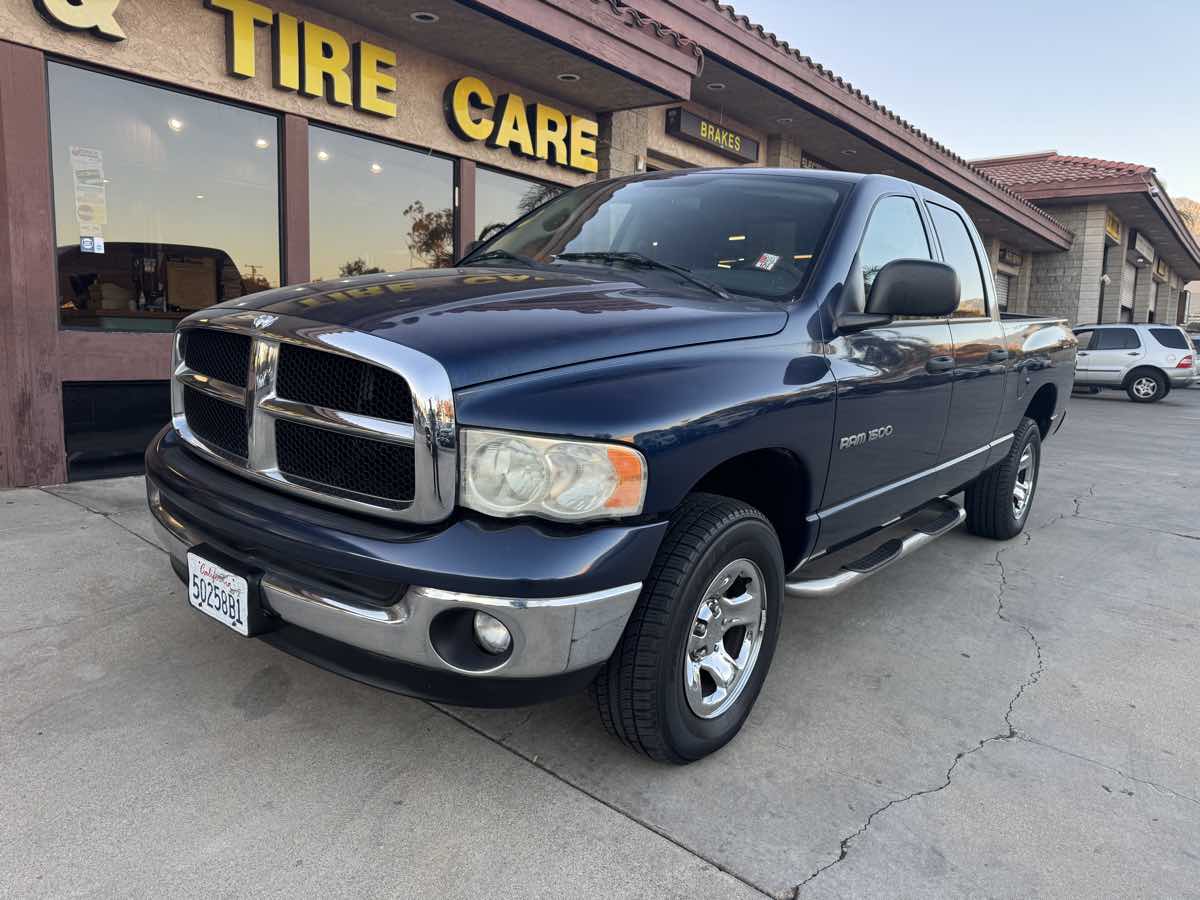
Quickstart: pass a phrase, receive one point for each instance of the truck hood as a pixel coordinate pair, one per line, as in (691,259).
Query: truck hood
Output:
(484,324)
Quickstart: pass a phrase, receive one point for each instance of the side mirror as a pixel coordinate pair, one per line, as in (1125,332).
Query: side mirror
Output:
(914,287)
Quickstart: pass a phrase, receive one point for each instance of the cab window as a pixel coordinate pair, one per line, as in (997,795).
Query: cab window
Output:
(894,232)
(959,251)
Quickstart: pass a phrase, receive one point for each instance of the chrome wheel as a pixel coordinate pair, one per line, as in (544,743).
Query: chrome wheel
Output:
(1145,387)
(725,637)
(1023,483)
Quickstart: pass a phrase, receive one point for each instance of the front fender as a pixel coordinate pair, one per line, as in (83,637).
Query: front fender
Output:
(688,410)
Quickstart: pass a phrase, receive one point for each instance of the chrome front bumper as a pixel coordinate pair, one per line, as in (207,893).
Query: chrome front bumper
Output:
(551,636)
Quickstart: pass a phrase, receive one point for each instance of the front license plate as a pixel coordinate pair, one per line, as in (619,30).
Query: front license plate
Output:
(219,593)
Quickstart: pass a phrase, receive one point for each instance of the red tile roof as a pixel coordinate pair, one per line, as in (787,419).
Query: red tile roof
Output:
(1052,167)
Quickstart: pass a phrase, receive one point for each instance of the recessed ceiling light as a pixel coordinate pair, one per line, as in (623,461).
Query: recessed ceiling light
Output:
(376,168)
(175,124)
(568,76)
(262,143)
(199,196)
(716,85)
(425,18)
(784,120)
(849,152)
(323,155)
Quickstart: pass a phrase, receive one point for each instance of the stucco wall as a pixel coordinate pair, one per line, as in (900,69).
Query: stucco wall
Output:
(182,43)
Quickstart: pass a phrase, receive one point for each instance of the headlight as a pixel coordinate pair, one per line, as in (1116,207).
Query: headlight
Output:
(508,475)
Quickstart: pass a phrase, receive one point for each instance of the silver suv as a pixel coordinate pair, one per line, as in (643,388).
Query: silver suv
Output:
(1145,361)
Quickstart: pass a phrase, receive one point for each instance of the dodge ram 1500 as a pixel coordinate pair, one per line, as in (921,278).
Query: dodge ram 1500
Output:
(604,448)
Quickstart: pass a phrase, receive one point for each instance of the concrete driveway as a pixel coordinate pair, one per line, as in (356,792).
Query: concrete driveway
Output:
(987,719)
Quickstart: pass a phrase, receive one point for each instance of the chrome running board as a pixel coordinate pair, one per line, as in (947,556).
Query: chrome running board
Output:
(948,517)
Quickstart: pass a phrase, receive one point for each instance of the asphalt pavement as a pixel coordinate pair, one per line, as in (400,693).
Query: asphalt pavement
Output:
(990,719)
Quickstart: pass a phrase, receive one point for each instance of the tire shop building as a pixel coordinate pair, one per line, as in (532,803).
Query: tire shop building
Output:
(159,156)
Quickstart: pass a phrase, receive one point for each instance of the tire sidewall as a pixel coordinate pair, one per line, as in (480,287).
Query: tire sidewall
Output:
(1159,381)
(1032,437)
(691,736)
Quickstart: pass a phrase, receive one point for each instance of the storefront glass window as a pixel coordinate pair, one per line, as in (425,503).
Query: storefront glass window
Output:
(375,207)
(164,203)
(502,199)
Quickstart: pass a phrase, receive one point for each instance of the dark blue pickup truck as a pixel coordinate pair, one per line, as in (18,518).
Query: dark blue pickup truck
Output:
(603,449)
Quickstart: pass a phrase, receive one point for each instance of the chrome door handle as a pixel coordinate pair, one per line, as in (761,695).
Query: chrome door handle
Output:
(939,364)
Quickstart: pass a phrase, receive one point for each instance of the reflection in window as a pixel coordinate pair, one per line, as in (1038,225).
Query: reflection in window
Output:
(375,207)
(502,199)
(959,251)
(164,203)
(894,232)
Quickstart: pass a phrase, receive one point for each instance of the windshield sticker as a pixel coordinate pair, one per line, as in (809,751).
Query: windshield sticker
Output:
(767,262)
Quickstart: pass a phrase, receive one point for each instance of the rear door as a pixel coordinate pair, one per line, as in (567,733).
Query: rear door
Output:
(1113,352)
(980,352)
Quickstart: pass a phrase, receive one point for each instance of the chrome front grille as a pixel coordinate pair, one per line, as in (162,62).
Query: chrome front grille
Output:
(338,416)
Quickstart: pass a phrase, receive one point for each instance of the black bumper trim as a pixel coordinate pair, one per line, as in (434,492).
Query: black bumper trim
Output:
(420,682)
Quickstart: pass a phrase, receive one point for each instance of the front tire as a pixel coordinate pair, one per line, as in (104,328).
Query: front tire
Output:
(998,501)
(1146,387)
(698,645)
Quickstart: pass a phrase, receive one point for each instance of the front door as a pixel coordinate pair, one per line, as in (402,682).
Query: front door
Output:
(894,388)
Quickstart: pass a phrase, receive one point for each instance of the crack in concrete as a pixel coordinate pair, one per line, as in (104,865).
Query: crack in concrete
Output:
(1009,735)
(102,514)
(637,820)
(1116,771)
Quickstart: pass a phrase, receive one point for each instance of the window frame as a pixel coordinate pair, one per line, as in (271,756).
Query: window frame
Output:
(985,272)
(83,65)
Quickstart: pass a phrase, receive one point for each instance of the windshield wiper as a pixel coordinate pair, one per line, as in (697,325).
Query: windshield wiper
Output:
(502,254)
(639,259)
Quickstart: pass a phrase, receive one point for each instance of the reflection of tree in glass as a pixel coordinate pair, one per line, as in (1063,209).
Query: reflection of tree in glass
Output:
(431,237)
(357,266)
(537,195)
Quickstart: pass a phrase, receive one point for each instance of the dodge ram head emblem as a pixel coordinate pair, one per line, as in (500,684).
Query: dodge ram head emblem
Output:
(265,321)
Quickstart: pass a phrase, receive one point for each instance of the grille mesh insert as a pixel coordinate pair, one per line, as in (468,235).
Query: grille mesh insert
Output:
(341,383)
(215,421)
(217,354)
(373,468)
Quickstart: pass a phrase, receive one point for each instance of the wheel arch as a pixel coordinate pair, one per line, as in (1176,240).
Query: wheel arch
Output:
(1041,408)
(1145,369)
(776,483)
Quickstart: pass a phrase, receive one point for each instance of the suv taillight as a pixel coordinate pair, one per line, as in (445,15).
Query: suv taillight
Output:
(1185,363)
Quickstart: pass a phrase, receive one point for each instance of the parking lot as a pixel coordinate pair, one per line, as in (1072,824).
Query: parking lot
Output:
(986,719)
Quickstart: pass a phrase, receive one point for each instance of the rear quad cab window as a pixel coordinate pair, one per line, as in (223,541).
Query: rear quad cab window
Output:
(752,234)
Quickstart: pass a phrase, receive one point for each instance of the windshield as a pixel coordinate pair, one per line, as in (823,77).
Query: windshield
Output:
(755,234)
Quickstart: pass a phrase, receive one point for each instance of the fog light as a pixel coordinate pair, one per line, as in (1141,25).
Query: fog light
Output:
(491,634)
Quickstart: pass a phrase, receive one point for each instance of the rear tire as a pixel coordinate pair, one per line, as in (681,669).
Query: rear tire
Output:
(720,563)
(998,501)
(1146,386)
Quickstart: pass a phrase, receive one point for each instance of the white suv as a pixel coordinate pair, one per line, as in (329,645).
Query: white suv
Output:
(1145,361)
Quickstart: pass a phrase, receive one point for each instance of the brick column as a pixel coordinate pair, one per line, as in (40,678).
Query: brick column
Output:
(31,423)
(783,152)
(1143,293)
(1168,300)
(624,136)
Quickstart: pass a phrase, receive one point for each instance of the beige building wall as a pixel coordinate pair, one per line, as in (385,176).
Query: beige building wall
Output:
(182,43)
